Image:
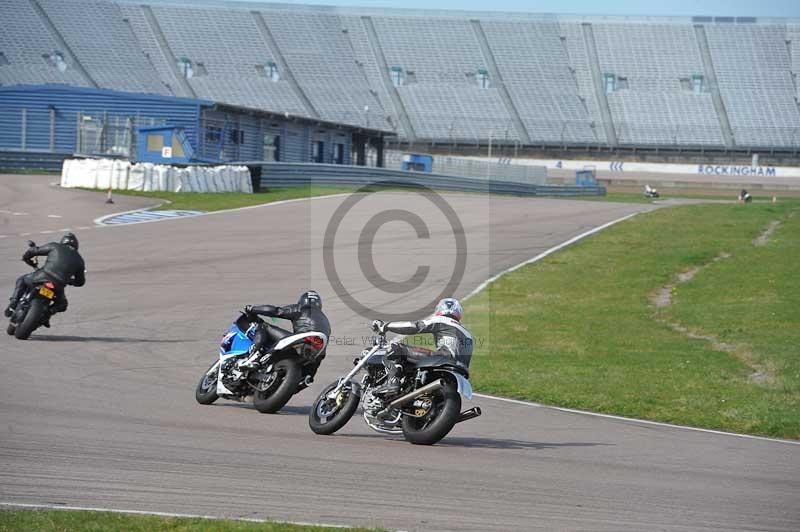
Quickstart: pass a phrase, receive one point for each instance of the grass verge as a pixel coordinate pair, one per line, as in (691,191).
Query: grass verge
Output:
(217,201)
(85,521)
(580,328)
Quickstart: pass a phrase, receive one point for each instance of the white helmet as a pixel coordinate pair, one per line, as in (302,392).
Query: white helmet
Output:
(449,307)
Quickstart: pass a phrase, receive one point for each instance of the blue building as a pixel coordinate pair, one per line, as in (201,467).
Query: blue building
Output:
(67,120)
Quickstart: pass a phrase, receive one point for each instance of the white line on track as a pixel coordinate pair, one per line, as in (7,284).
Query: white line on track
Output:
(19,214)
(54,216)
(3,236)
(550,251)
(634,420)
(100,221)
(160,514)
(46,232)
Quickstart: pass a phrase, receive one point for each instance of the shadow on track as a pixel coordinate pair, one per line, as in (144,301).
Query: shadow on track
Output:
(105,339)
(495,443)
(484,443)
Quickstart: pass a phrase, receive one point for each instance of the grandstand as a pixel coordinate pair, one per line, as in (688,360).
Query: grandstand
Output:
(434,77)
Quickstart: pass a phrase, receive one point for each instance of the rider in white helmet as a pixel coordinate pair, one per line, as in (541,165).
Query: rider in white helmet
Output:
(450,338)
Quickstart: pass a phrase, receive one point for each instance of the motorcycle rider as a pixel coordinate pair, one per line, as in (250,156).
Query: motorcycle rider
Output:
(450,337)
(63,266)
(306,316)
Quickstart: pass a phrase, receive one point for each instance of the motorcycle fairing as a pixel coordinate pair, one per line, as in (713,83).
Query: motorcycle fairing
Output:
(293,339)
(236,341)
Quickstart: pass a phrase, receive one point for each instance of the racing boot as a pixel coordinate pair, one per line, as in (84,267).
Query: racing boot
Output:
(12,306)
(392,384)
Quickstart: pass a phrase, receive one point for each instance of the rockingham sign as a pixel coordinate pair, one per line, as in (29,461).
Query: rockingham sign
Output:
(709,169)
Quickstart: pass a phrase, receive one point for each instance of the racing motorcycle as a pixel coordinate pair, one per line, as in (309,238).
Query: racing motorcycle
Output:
(271,378)
(33,308)
(650,192)
(425,409)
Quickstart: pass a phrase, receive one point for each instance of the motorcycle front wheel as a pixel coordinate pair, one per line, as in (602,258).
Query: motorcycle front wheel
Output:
(328,415)
(206,391)
(287,375)
(32,319)
(438,421)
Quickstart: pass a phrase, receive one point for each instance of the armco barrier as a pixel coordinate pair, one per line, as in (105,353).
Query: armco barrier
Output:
(31,160)
(293,174)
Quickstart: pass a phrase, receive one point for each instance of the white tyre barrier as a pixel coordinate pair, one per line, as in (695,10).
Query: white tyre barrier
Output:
(122,175)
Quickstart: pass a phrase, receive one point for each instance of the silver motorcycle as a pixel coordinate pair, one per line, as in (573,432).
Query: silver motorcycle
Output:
(425,409)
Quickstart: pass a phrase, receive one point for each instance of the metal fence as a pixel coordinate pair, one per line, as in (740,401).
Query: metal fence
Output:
(287,174)
(111,136)
(502,170)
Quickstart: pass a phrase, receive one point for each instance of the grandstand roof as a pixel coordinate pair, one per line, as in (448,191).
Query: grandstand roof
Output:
(461,14)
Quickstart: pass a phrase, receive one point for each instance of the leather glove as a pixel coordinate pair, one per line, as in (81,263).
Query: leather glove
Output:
(379,326)
(248,309)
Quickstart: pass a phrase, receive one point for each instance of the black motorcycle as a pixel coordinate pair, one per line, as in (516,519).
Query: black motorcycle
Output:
(34,307)
(425,409)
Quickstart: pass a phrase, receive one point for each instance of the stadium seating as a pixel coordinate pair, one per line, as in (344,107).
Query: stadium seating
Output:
(24,43)
(754,72)
(322,61)
(655,108)
(466,77)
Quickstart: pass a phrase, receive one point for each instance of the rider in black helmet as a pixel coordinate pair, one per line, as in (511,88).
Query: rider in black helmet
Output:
(306,316)
(63,266)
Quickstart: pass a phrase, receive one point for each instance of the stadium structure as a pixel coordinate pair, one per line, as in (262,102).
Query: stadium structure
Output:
(426,79)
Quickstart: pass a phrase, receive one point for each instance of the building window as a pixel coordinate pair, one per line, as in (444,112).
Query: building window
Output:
(185,67)
(338,153)
(622,84)
(155,142)
(610,83)
(398,76)
(236,136)
(272,144)
(483,78)
(318,151)
(177,147)
(698,84)
(213,134)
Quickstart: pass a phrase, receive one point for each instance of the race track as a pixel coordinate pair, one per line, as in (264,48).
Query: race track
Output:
(99,411)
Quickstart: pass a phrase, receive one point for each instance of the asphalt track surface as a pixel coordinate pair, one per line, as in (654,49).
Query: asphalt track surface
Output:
(99,410)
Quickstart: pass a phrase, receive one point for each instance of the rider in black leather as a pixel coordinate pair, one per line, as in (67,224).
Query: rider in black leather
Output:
(63,266)
(452,340)
(306,316)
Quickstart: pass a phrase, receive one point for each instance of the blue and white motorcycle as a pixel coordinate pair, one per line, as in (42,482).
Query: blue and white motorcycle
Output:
(271,378)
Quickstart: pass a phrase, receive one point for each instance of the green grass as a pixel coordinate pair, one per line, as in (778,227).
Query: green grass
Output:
(578,329)
(217,201)
(83,521)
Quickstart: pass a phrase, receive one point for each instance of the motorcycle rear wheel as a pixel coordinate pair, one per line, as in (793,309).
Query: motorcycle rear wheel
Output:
(432,428)
(206,391)
(32,319)
(278,394)
(327,415)
(10,329)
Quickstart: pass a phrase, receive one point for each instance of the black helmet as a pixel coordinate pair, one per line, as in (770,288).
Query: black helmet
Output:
(70,240)
(310,298)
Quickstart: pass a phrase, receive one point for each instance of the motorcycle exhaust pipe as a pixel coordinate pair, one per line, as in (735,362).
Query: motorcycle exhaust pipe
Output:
(469,414)
(407,398)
